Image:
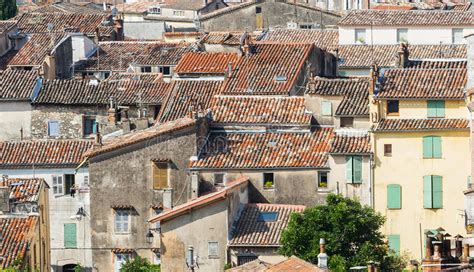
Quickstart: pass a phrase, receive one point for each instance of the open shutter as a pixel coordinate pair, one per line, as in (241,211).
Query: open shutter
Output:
(427,193)
(70,236)
(394,243)
(436,146)
(357,166)
(394,196)
(432,105)
(349,169)
(427,147)
(437,192)
(440,108)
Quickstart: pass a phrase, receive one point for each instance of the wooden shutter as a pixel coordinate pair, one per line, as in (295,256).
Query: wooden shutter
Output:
(437,188)
(427,147)
(349,168)
(326,108)
(160,175)
(70,236)
(357,169)
(394,243)
(427,193)
(394,196)
(432,105)
(440,108)
(436,146)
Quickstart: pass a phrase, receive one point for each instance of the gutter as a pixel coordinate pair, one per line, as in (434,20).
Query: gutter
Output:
(80,165)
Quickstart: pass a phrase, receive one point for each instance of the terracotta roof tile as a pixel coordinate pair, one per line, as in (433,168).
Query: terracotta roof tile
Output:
(325,39)
(36,49)
(205,63)
(393,7)
(187,95)
(69,8)
(407,18)
(6,25)
(225,38)
(355,93)
(85,92)
(394,125)
(437,64)
(143,77)
(260,110)
(346,144)
(123,250)
(16,238)
(23,189)
(295,264)
(272,68)
(422,83)
(17,84)
(42,154)
(140,136)
(252,231)
(266,150)
(253,266)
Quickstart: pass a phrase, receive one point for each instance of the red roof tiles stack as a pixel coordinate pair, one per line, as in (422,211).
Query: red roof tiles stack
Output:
(15,238)
(205,63)
(394,125)
(23,189)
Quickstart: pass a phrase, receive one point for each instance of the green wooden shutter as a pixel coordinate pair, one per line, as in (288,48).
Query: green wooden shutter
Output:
(437,192)
(469,180)
(436,146)
(349,169)
(394,196)
(427,147)
(440,108)
(357,166)
(427,193)
(326,108)
(70,236)
(432,105)
(394,243)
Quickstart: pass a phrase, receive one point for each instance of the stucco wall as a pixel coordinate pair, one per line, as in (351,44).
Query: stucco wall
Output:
(15,116)
(419,109)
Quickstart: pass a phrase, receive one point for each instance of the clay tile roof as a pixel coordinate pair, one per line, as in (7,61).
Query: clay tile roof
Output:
(363,56)
(252,231)
(6,25)
(393,7)
(187,95)
(205,63)
(266,150)
(354,91)
(119,55)
(253,266)
(85,92)
(422,84)
(294,264)
(347,144)
(272,69)
(326,39)
(64,7)
(201,201)
(42,153)
(23,189)
(17,84)
(437,64)
(143,77)
(225,38)
(260,110)
(140,136)
(17,235)
(462,6)
(395,125)
(407,18)
(123,250)
(122,207)
(36,49)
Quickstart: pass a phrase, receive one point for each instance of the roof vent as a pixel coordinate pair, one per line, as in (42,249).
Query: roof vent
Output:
(249,90)
(280,78)
(272,143)
(93,82)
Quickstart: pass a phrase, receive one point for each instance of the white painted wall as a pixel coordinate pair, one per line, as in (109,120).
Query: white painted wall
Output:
(82,47)
(61,210)
(416,35)
(13,117)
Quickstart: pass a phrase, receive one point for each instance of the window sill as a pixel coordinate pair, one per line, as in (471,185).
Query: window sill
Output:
(269,188)
(324,190)
(122,233)
(213,257)
(393,114)
(428,158)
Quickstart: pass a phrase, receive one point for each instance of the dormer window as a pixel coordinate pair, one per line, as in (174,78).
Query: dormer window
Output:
(154,10)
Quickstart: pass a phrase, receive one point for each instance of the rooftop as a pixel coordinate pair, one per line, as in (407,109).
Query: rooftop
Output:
(36,49)
(401,125)
(226,38)
(347,144)
(205,63)
(23,189)
(17,84)
(16,234)
(294,264)
(64,7)
(325,39)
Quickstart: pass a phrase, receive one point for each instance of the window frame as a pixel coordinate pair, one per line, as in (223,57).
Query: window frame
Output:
(386,152)
(326,108)
(264,178)
(215,178)
(49,128)
(350,161)
(85,119)
(358,33)
(455,31)
(430,150)
(436,108)
(58,184)
(216,249)
(155,166)
(392,237)
(346,124)
(394,189)
(66,192)
(145,69)
(401,31)
(66,244)
(125,256)
(393,113)
(119,215)
(320,173)
(432,192)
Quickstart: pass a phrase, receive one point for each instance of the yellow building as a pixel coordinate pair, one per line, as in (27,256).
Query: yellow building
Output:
(421,150)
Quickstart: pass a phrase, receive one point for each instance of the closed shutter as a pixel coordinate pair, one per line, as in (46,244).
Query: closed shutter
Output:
(437,188)
(349,168)
(394,243)
(70,236)
(326,108)
(160,175)
(427,193)
(357,166)
(440,108)
(432,108)
(427,147)
(394,196)
(436,146)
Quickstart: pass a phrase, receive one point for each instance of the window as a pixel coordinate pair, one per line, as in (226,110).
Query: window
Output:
(394,243)
(246,258)
(58,185)
(219,179)
(89,126)
(154,10)
(178,13)
(70,235)
(431,147)
(157,258)
(326,109)
(435,108)
(306,26)
(258,10)
(322,179)
(120,259)
(402,35)
(69,182)
(360,35)
(268,180)
(457,35)
(213,249)
(387,150)
(166,70)
(86,180)
(157,212)
(122,221)
(160,175)
(145,69)
(53,128)
(392,107)
(354,169)
(267,217)
(347,122)
(394,196)
(432,192)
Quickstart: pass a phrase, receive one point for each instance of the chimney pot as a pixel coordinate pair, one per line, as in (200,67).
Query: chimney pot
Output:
(322,256)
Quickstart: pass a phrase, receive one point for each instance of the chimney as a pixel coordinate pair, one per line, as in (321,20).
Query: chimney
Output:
(194,185)
(112,112)
(374,77)
(428,245)
(228,72)
(97,136)
(322,256)
(4,200)
(465,253)
(168,198)
(458,246)
(437,250)
(403,55)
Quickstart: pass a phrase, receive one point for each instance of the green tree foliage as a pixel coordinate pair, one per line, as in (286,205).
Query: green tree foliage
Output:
(7,9)
(352,234)
(139,264)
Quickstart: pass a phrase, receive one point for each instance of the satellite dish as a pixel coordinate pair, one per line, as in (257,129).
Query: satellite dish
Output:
(50,26)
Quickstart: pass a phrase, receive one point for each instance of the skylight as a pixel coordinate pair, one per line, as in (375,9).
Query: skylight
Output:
(268,216)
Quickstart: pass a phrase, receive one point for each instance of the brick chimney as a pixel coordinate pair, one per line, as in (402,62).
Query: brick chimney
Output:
(97,137)
(403,55)
(4,200)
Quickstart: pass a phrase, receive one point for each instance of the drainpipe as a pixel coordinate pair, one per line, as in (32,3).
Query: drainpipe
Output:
(371,180)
